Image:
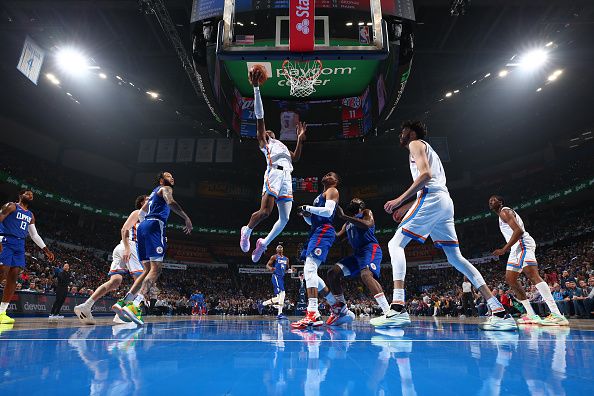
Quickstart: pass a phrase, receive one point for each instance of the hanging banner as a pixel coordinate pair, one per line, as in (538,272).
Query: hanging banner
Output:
(31,60)
(301,21)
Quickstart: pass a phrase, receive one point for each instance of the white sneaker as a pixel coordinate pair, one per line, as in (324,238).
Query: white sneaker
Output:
(51,317)
(244,240)
(495,323)
(83,312)
(116,319)
(59,317)
(391,319)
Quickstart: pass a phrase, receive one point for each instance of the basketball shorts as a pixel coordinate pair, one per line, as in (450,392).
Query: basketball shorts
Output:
(13,252)
(278,283)
(279,184)
(431,215)
(320,242)
(151,240)
(118,266)
(369,256)
(522,254)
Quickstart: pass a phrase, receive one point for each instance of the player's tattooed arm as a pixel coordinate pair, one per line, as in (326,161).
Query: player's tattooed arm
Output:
(269,266)
(417,150)
(507,215)
(173,205)
(301,129)
(341,235)
(366,222)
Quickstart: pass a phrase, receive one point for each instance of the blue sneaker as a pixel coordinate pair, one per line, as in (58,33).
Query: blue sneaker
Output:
(281,317)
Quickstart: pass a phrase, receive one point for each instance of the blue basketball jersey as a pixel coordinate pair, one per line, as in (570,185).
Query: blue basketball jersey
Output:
(359,237)
(317,221)
(280,265)
(158,208)
(16,224)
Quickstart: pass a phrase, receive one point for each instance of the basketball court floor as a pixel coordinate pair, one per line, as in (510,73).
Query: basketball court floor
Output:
(245,356)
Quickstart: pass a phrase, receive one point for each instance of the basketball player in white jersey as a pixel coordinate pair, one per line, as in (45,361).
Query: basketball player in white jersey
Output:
(289,121)
(125,261)
(278,183)
(432,214)
(522,259)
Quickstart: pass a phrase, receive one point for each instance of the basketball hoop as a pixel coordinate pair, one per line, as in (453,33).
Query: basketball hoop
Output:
(302,76)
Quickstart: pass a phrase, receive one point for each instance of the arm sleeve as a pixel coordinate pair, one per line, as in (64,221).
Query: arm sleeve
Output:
(258,106)
(35,236)
(325,211)
(307,219)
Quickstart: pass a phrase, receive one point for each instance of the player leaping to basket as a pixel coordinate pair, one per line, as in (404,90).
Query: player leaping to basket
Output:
(277,178)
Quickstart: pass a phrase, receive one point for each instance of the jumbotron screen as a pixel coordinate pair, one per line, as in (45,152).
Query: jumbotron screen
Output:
(204,9)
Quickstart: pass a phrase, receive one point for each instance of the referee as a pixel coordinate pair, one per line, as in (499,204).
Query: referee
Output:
(62,281)
(467,300)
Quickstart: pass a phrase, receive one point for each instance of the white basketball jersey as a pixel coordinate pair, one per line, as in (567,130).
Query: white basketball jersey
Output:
(133,233)
(277,154)
(507,231)
(438,177)
(289,120)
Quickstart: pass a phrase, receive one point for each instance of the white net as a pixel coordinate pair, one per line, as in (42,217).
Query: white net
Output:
(302,76)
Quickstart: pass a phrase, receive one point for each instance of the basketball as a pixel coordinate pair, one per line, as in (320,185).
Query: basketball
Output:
(263,74)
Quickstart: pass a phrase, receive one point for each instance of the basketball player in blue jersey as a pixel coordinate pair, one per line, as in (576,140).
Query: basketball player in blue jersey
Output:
(199,307)
(151,241)
(431,215)
(125,261)
(278,265)
(321,237)
(16,222)
(365,262)
(522,259)
(278,183)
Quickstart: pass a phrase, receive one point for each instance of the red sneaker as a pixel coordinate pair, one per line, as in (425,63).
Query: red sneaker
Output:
(311,319)
(340,315)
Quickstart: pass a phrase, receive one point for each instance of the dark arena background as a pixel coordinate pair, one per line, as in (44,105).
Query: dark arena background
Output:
(107,100)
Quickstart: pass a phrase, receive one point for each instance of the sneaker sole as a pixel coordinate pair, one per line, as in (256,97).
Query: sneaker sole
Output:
(130,315)
(493,328)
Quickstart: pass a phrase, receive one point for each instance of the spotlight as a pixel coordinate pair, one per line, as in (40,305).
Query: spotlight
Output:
(447,95)
(474,82)
(555,75)
(533,59)
(503,73)
(152,94)
(52,79)
(103,75)
(119,78)
(72,61)
(349,23)
(456,91)
(487,75)
(550,43)
(369,24)
(361,23)
(538,89)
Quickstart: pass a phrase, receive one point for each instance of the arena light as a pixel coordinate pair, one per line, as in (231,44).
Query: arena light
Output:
(533,59)
(456,91)
(361,23)
(152,94)
(119,78)
(555,75)
(549,44)
(102,75)
(538,89)
(503,73)
(487,75)
(448,94)
(72,61)
(349,23)
(52,79)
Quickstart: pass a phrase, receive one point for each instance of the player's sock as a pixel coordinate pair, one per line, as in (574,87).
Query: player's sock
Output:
(528,307)
(330,298)
(340,298)
(3,307)
(398,300)
(249,231)
(139,298)
(382,302)
(89,303)
(312,304)
(545,292)
(496,307)
(129,297)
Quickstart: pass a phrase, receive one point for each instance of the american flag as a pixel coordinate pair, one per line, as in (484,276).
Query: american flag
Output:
(244,39)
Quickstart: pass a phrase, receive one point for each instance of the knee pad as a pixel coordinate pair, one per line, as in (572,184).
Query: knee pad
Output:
(310,273)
